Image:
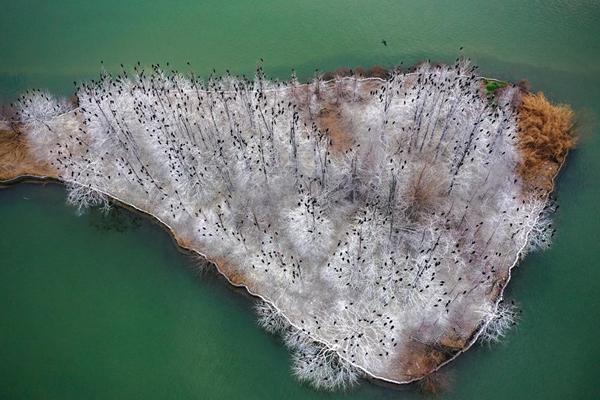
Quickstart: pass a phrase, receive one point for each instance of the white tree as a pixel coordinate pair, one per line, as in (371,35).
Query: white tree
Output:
(319,365)
(270,318)
(83,197)
(500,322)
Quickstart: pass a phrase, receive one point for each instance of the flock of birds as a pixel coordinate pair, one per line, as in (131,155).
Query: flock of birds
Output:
(393,232)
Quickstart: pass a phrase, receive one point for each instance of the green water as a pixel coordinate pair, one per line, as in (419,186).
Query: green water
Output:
(95,307)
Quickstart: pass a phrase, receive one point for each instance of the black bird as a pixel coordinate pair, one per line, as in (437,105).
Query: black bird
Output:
(384,42)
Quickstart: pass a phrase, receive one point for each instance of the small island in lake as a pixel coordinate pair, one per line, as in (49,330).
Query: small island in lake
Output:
(377,218)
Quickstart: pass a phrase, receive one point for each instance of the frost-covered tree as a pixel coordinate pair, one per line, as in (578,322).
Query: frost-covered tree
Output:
(319,365)
(500,322)
(270,318)
(83,197)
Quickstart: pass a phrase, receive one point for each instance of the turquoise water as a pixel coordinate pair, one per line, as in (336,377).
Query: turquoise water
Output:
(108,308)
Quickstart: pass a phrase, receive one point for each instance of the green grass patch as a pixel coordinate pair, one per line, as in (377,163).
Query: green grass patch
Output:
(492,85)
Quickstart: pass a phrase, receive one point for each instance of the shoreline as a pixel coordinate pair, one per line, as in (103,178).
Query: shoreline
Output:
(181,244)
(222,269)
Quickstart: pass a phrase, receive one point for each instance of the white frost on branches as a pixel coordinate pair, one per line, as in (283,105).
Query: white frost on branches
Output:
(312,362)
(319,365)
(542,232)
(83,197)
(38,107)
(500,322)
(270,318)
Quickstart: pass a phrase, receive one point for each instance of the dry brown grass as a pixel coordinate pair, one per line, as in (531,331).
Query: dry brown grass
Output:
(376,71)
(545,137)
(423,191)
(417,361)
(453,341)
(330,120)
(16,160)
(340,73)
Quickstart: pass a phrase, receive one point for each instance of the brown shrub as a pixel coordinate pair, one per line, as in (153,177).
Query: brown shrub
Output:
(545,137)
(360,71)
(423,191)
(327,76)
(16,159)
(339,129)
(377,71)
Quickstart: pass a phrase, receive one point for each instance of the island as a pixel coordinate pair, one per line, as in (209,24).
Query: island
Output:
(376,214)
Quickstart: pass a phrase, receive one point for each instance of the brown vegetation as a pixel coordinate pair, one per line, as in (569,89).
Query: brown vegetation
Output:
(545,137)
(340,72)
(330,121)
(16,159)
(376,71)
(419,359)
(423,191)
(453,342)
(231,272)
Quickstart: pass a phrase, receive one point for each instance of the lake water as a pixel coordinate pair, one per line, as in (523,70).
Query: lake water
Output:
(95,307)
